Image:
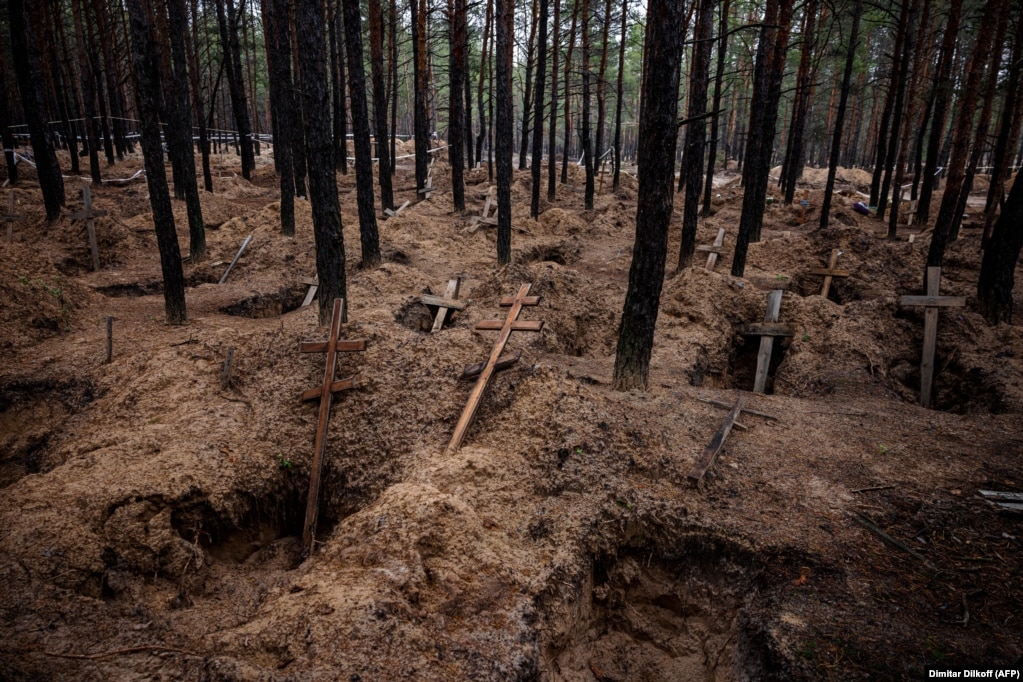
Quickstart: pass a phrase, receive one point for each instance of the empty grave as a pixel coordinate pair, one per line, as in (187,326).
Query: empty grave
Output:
(742,362)
(560,253)
(659,613)
(154,287)
(272,304)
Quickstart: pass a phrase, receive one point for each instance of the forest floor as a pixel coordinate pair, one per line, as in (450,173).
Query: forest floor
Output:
(150,516)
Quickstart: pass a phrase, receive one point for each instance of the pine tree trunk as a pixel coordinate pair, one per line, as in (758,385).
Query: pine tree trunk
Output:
(906,22)
(87,79)
(503,125)
(584,128)
(792,166)
(566,152)
(541,73)
(696,129)
(422,84)
(552,132)
(456,123)
(227,20)
(368,233)
(204,139)
(146,60)
(339,110)
(330,245)
(950,213)
(527,89)
(278,28)
(598,147)
(6,138)
(392,21)
(770,67)
(656,157)
(843,99)
(1008,133)
(619,99)
(997,269)
(719,77)
(484,54)
(26,70)
(376,67)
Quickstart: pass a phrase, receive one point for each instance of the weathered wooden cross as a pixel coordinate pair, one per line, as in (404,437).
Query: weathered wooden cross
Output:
(449,301)
(506,327)
(88,215)
(717,442)
(313,283)
(829,272)
(390,214)
(767,330)
(484,218)
(11,216)
(931,302)
(714,250)
(325,392)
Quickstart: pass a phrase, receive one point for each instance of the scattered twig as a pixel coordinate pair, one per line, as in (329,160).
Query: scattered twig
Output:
(185,342)
(120,652)
(869,525)
(721,403)
(873,488)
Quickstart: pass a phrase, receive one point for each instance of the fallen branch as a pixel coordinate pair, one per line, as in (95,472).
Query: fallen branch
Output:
(869,525)
(873,488)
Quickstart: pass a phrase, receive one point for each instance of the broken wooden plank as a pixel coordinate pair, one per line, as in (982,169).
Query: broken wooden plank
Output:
(869,525)
(767,342)
(245,245)
(714,447)
(504,362)
(442,301)
(765,329)
(1004,496)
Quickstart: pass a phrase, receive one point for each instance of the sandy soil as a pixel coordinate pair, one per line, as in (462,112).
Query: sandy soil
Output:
(150,515)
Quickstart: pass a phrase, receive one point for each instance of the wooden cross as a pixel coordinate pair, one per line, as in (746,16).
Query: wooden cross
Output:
(241,250)
(714,250)
(88,214)
(766,331)
(325,392)
(313,283)
(449,301)
(931,302)
(714,447)
(11,216)
(390,214)
(506,327)
(829,272)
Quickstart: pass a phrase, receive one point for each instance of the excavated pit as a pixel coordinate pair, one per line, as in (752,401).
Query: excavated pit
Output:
(274,304)
(660,614)
(742,362)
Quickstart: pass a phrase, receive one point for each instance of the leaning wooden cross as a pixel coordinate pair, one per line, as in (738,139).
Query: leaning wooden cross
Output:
(325,392)
(506,327)
(484,218)
(390,214)
(714,250)
(11,216)
(829,272)
(931,302)
(716,443)
(88,215)
(766,331)
(449,301)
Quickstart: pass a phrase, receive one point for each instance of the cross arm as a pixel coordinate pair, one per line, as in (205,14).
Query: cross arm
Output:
(517,325)
(321,346)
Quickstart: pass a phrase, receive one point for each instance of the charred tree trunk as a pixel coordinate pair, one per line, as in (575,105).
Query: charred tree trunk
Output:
(598,147)
(584,128)
(792,166)
(948,219)
(843,99)
(696,130)
(456,123)
(484,54)
(368,233)
(330,245)
(527,89)
(339,109)
(146,60)
(900,83)
(541,74)
(1008,133)
(6,138)
(204,139)
(87,78)
(997,269)
(770,66)
(552,133)
(719,77)
(26,69)
(422,115)
(942,96)
(278,30)
(656,157)
(619,99)
(504,131)
(376,68)
(576,4)
(227,20)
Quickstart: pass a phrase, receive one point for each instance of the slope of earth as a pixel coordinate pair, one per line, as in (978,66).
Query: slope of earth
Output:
(151,507)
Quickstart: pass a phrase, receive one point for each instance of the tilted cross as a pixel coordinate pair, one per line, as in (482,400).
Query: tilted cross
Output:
(931,302)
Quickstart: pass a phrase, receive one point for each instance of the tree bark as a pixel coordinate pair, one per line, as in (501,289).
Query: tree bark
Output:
(719,77)
(227,20)
(26,69)
(368,233)
(566,152)
(339,109)
(376,67)
(278,30)
(330,245)
(792,166)
(997,269)
(527,89)
(541,73)
(620,99)
(504,131)
(146,60)
(1009,123)
(456,124)
(422,115)
(656,158)
(552,133)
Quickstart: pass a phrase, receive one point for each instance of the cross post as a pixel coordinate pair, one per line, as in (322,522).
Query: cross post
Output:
(931,302)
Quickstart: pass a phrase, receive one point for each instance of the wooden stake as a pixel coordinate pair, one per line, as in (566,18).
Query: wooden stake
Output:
(325,391)
(311,294)
(506,328)
(88,215)
(714,249)
(829,272)
(931,302)
(448,302)
(110,340)
(767,332)
(225,372)
(714,447)
(245,245)
(11,216)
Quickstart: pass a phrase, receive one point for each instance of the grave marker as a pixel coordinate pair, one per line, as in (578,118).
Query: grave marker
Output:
(829,272)
(88,215)
(314,284)
(11,216)
(714,447)
(325,392)
(506,327)
(449,301)
(931,302)
(769,329)
(390,214)
(245,245)
(714,250)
